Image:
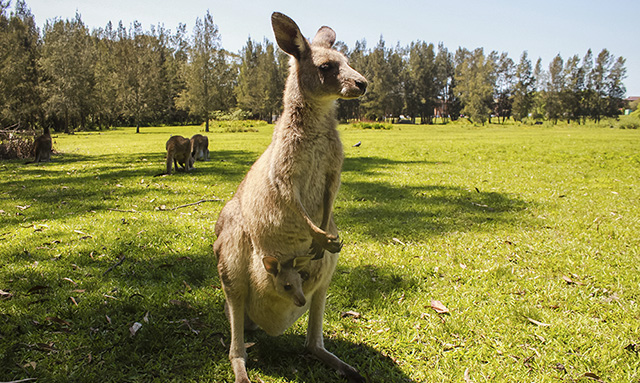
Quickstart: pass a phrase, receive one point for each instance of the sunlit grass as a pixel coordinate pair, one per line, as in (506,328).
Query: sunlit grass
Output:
(528,235)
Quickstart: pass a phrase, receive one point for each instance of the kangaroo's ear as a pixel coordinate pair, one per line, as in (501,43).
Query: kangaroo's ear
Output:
(288,35)
(325,37)
(272,265)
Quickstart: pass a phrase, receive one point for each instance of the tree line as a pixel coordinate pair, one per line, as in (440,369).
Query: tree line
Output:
(69,77)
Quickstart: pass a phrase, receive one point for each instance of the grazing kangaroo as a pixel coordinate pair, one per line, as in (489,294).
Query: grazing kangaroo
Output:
(42,147)
(287,190)
(200,147)
(179,152)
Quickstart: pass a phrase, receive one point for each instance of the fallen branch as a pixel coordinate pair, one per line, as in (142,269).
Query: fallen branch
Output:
(22,380)
(116,265)
(194,203)
(123,211)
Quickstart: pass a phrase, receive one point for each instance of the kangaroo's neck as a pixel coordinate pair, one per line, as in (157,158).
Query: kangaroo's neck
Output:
(306,112)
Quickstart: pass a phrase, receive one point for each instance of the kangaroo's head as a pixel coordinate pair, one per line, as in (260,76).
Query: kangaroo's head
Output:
(322,72)
(288,277)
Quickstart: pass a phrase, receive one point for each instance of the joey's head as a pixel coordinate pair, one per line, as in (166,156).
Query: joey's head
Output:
(288,277)
(319,70)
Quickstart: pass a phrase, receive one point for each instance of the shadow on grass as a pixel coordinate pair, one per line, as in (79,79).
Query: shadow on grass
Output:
(382,210)
(285,357)
(79,184)
(184,335)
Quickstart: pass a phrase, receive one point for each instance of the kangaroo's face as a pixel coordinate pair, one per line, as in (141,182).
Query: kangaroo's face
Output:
(287,279)
(322,71)
(328,73)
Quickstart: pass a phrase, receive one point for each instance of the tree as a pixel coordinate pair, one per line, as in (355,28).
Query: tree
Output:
(140,78)
(260,80)
(554,88)
(523,88)
(573,87)
(445,84)
(384,93)
(615,87)
(504,87)
(19,50)
(598,83)
(68,80)
(420,84)
(208,78)
(475,76)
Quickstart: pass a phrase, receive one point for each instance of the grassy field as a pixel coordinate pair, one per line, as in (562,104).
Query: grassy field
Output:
(527,235)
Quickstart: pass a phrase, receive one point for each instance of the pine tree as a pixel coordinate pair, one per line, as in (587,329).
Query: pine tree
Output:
(475,76)
(19,50)
(523,89)
(67,65)
(207,76)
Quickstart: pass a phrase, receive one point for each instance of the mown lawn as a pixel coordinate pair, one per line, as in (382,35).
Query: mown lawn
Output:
(527,235)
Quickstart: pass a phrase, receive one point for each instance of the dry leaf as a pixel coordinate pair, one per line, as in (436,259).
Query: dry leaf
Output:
(70,280)
(5,295)
(538,323)
(134,328)
(398,241)
(439,307)
(146,317)
(350,313)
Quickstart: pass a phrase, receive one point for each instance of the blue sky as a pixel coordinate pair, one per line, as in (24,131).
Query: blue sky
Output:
(544,28)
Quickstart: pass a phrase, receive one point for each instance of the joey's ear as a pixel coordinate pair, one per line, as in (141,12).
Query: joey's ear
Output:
(271,264)
(324,38)
(301,262)
(288,35)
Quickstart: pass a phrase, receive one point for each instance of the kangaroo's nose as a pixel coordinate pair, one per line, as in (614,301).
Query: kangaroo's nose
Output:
(362,85)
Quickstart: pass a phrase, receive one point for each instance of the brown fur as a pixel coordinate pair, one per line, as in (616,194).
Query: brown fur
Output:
(179,152)
(200,147)
(289,189)
(42,146)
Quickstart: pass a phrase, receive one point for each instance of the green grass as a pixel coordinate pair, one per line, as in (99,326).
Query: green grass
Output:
(502,224)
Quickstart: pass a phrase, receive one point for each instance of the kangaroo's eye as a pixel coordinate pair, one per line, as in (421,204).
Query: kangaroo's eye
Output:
(325,67)
(288,287)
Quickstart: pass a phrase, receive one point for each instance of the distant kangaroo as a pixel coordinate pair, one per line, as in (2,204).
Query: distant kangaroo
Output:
(179,152)
(289,189)
(200,147)
(42,147)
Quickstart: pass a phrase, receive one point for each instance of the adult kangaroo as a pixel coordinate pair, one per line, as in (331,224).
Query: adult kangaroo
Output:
(283,207)
(42,147)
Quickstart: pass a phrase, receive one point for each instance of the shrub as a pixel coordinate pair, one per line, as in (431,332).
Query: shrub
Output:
(13,147)
(372,125)
(238,126)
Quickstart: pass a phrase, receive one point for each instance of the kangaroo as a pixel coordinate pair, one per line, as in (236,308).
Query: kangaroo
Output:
(200,147)
(289,188)
(178,152)
(42,147)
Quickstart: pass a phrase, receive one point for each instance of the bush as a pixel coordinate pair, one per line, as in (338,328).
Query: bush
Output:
(233,115)
(629,122)
(372,125)
(240,126)
(13,147)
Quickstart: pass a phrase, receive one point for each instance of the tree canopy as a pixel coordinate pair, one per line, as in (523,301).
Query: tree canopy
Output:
(70,77)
